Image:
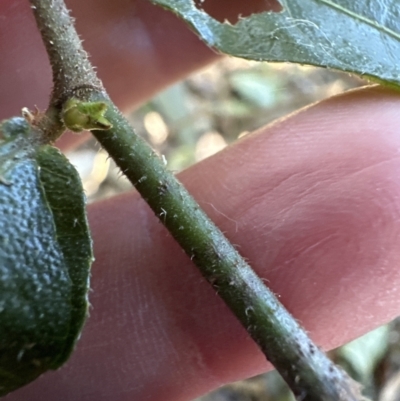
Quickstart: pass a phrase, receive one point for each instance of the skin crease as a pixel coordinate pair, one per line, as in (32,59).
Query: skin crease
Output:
(312,201)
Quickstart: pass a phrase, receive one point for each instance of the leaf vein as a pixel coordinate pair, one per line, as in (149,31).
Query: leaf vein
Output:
(366,20)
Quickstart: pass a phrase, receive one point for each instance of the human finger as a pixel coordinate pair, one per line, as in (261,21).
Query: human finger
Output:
(137,48)
(134,56)
(311,201)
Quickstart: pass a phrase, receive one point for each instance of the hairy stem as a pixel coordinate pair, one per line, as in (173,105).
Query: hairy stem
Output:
(70,64)
(307,370)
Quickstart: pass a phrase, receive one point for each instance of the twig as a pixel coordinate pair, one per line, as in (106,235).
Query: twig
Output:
(72,70)
(307,370)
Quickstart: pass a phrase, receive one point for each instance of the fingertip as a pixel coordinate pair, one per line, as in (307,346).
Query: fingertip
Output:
(311,201)
(316,198)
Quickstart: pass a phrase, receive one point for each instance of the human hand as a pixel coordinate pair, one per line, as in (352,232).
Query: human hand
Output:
(311,201)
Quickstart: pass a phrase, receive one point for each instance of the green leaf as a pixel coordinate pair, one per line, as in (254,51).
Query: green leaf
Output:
(360,36)
(45,256)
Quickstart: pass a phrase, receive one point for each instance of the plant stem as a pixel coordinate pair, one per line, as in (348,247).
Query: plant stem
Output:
(307,370)
(72,70)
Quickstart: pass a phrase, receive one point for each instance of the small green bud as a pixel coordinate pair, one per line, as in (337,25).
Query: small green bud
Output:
(79,116)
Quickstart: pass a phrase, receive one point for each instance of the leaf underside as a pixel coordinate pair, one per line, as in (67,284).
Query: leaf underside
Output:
(45,257)
(362,37)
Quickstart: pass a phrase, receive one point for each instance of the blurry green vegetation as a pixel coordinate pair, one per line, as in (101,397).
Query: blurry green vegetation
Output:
(198,117)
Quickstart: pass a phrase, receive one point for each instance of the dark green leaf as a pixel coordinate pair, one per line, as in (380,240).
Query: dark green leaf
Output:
(360,36)
(45,257)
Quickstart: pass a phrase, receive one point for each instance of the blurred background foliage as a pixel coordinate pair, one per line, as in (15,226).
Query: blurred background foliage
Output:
(198,117)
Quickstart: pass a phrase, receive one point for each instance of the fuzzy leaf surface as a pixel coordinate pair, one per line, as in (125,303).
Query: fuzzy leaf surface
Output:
(45,256)
(361,37)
